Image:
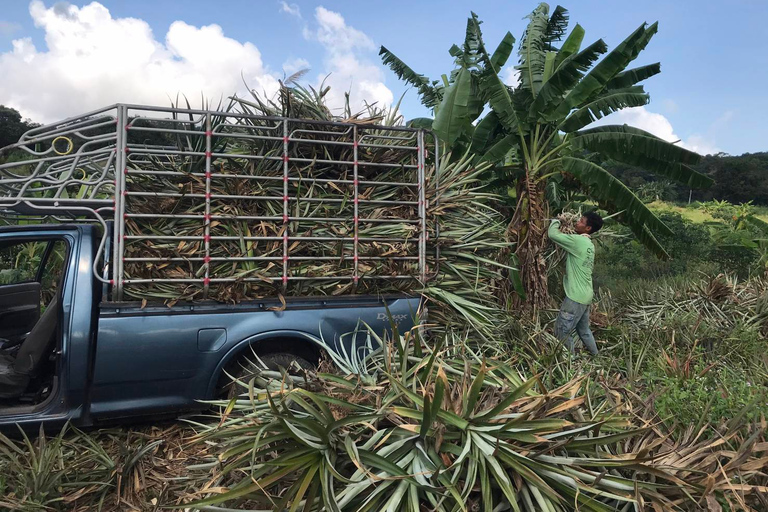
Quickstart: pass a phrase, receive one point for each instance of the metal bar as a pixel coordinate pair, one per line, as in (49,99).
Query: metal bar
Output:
(261,280)
(437,204)
(87,117)
(117,199)
(49,159)
(93,169)
(120,195)
(269,258)
(422,210)
(322,132)
(149,108)
(266,218)
(81,211)
(50,137)
(271,198)
(264,128)
(55,201)
(274,238)
(356,200)
(246,136)
(145,151)
(107,239)
(133,128)
(286,211)
(207,216)
(271,178)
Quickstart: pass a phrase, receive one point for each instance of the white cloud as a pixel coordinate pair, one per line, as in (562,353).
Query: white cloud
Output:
(93,60)
(670,106)
(7,28)
(346,62)
(660,126)
(291,9)
(510,76)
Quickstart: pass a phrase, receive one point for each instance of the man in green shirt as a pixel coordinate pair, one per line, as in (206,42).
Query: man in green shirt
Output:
(574,312)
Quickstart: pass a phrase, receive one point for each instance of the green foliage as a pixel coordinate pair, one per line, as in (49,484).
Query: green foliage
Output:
(740,239)
(690,247)
(68,471)
(424,425)
(561,91)
(19,263)
(662,190)
(12,126)
(715,397)
(739,178)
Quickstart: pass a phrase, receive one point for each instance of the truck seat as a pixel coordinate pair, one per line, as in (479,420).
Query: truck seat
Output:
(17,370)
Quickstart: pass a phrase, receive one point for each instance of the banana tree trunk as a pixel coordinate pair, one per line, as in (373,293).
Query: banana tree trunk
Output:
(528,231)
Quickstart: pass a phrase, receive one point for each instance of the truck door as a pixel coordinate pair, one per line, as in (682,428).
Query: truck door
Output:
(34,313)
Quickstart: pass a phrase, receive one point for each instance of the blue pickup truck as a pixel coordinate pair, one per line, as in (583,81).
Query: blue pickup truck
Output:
(66,355)
(146,251)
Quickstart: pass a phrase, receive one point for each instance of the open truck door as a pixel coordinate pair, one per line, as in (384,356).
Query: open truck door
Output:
(42,373)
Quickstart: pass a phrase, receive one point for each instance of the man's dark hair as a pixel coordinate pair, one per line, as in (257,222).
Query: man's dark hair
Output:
(594,221)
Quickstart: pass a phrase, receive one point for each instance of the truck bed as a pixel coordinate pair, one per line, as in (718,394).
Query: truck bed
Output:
(177,353)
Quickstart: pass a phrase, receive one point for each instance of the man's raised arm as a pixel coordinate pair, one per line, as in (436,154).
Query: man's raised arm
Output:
(567,242)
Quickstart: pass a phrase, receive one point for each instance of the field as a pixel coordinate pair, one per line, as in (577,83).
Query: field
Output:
(696,214)
(482,408)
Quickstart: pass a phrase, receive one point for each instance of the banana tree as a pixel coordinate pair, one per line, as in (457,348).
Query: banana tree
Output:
(537,133)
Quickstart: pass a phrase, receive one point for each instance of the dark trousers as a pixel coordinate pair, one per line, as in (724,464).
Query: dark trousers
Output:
(572,322)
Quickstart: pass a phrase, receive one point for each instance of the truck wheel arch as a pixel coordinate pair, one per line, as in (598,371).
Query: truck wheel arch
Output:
(292,342)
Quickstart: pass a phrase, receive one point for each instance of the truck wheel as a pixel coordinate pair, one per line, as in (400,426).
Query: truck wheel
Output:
(246,367)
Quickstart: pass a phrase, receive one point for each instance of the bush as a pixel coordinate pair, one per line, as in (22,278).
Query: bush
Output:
(710,395)
(690,247)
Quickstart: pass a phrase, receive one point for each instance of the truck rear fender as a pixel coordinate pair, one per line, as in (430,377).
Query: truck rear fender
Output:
(298,343)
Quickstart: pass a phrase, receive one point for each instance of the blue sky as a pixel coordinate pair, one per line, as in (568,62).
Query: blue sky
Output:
(711,92)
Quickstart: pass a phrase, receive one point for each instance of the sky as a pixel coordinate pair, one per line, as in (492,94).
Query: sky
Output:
(60,59)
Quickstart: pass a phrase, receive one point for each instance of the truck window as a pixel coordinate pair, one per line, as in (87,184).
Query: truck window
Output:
(20,262)
(31,261)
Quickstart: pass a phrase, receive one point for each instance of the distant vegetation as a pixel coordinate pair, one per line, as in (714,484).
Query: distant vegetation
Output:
(739,179)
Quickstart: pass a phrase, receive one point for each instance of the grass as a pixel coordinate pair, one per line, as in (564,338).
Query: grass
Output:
(697,215)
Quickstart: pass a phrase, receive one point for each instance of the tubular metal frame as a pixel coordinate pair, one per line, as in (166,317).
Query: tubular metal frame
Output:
(100,164)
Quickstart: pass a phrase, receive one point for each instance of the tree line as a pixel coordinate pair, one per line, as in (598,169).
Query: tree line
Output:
(738,179)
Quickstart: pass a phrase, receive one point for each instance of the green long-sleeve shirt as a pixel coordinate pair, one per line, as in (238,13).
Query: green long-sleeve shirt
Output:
(578,263)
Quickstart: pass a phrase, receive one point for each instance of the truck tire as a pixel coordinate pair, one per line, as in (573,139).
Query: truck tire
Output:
(243,369)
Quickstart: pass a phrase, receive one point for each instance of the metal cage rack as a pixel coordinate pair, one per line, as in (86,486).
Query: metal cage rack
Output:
(354,183)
